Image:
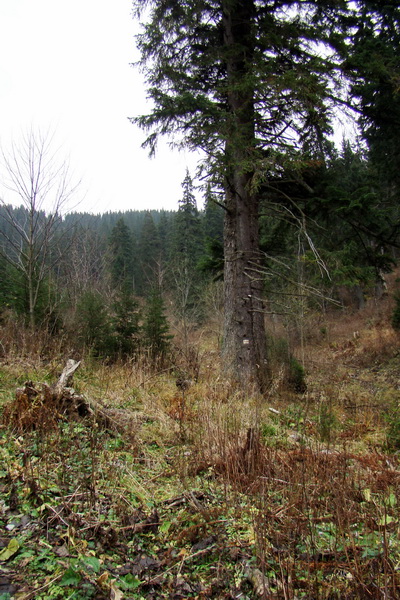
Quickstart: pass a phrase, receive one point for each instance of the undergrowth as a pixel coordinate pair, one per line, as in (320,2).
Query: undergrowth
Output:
(205,492)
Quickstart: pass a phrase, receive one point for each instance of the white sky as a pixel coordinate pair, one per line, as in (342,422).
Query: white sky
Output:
(65,65)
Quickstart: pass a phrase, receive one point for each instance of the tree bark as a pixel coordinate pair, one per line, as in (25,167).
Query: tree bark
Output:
(244,348)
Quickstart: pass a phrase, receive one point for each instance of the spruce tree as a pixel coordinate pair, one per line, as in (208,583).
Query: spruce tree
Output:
(149,251)
(212,259)
(372,61)
(186,243)
(213,218)
(356,222)
(186,250)
(155,328)
(121,252)
(93,324)
(245,82)
(125,324)
(164,229)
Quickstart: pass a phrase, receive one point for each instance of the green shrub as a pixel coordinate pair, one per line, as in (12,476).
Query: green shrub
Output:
(125,324)
(296,376)
(279,354)
(268,431)
(327,422)
(94,324)
(156,335)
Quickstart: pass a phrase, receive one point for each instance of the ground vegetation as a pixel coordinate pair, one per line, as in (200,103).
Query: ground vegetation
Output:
(141,483)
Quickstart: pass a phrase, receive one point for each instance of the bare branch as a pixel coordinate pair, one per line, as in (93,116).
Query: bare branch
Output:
(33,173)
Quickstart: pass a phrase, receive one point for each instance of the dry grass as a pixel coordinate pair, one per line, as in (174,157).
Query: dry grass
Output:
(306,483)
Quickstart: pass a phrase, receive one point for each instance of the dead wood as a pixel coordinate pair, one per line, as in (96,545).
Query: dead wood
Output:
(42,406)
(66,376)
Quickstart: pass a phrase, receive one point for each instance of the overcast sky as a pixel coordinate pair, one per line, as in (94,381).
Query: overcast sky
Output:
(65,65)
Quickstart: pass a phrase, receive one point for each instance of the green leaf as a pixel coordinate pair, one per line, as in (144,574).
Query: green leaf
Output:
(164,527)
(370,552)
(367,494)
(92,562)
(385,520)
(10,550)
(129,582)
(70,577)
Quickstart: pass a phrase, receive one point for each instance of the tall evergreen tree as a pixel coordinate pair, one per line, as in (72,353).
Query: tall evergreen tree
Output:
(155,327)
(121,252)
(212,260)
(164,235)
(125,324)
(187,239)
(149,255)
(125,319)
(186,250)
(93,322)
(373,64)
(213,219)
(361,224)
(244,81)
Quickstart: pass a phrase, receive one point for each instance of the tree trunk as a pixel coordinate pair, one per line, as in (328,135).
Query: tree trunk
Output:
(244,348)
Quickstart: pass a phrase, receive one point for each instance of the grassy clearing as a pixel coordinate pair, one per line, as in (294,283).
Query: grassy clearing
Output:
(205,493)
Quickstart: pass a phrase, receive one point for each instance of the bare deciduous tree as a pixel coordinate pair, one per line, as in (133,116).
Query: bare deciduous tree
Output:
(34,174)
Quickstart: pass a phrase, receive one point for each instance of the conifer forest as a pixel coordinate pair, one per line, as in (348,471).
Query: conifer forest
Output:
(204,403)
